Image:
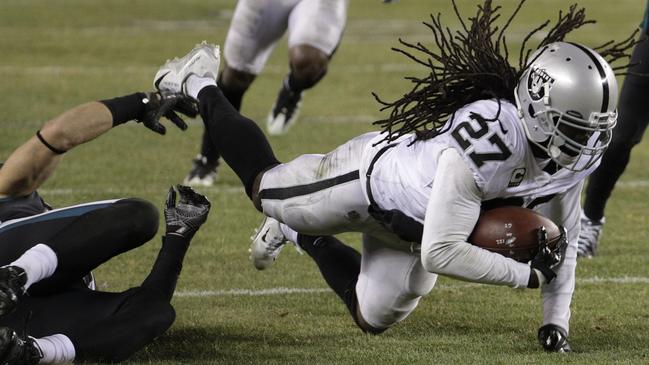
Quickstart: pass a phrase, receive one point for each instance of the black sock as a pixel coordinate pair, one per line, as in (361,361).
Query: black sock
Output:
(168,264)
(297,85)
(207,147)
(208,150)
(125,108)
(235,97)
(240,141)
(339,264)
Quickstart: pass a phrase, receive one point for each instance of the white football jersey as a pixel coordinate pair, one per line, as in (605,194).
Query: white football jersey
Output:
(496,151)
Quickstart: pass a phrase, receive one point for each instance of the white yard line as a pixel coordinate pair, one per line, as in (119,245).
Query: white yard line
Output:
(633,184)
(613,280)
(284,291)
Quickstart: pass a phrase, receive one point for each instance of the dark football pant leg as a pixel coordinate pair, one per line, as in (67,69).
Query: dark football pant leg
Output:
(102,326)
(19,235)
(240,141)
(108,326)
(82,239)
(631,124)
(96,237)
(234,96)
(140,317)
(208,150)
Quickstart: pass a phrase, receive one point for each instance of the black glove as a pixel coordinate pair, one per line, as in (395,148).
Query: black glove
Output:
(12,283)
(551,253)
(159,104)
(191,212)
(554,338)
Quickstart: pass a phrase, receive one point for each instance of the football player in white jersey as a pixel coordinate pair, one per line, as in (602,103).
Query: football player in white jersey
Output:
(477,135)
(314,31)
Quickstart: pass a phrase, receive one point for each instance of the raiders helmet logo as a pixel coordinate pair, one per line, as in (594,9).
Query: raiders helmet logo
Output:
(537,83)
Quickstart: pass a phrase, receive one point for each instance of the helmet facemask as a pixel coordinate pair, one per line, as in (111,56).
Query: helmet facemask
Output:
(564,109)
(573,142)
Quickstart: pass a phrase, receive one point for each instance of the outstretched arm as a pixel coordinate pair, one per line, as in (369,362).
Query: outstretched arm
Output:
(33,162)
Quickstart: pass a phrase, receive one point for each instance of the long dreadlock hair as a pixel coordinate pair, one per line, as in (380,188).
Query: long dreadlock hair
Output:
(471,64)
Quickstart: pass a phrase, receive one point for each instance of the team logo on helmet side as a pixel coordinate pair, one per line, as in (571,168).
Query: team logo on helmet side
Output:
(537,83)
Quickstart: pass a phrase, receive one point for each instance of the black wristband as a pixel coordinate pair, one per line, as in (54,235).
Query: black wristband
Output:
(49,146)
(125,108)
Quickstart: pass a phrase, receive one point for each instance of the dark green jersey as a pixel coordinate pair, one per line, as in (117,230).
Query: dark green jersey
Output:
(20,207)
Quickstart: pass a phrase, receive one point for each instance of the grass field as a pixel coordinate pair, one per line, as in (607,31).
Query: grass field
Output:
(56,54)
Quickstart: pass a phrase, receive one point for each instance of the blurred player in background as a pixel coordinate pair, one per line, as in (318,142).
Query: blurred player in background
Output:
(46,287)
(476,133)
(314,31)
(632,123)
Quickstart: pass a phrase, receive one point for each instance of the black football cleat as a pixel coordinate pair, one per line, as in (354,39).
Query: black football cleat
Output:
(18,351)
(285,111)
(204,172)
(12,283)
(554,339)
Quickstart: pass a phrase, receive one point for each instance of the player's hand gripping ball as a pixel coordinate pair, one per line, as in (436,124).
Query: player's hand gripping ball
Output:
(513,232)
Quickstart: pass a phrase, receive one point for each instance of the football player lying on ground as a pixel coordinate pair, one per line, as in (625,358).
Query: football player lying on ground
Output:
(48,253)
(475,133)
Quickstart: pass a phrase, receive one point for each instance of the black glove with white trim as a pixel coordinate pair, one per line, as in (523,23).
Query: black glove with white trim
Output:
(188,215)
(551,254)
(164,104)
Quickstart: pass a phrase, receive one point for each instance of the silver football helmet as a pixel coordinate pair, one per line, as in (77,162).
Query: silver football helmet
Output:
(567,101)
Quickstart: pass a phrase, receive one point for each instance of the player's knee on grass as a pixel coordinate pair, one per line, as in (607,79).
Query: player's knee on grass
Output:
(360,321)
(234,80)
(308,65)
(390,284)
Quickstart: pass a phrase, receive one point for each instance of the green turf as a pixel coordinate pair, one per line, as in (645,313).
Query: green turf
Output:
(56,54)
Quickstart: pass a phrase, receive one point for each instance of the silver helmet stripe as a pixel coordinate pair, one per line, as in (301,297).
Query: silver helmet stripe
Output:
(602,74)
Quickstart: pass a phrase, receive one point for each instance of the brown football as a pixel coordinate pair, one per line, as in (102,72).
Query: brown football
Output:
(512,231)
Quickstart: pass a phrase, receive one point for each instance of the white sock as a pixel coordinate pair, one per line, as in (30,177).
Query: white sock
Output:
(39,262)
(194,85)
(56,349)
(288,232)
